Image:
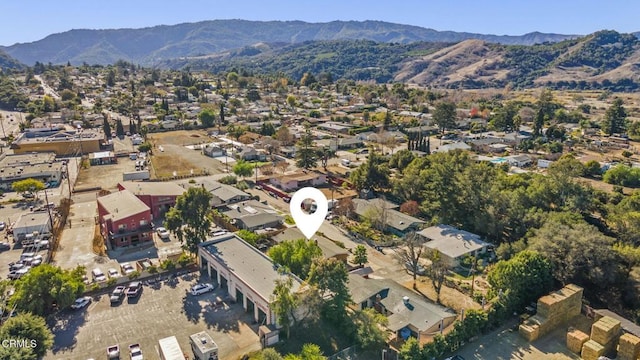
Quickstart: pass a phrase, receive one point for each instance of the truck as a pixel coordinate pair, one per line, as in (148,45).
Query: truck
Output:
(203,346)
(170,349)
(113,352)
(135,353)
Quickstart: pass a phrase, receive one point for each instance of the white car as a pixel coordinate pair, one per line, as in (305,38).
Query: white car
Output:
(113,273)
(37,260)
(163,233)
(127,268)
(81,302)
(200,289)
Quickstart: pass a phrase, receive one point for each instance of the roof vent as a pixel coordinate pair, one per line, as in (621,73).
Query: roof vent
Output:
(405,299)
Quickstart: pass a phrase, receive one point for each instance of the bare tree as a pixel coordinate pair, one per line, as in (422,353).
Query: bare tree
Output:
(410,254)
(437,271)
(282,166)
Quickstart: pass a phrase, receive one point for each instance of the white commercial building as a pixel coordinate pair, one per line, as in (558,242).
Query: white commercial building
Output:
(244,272)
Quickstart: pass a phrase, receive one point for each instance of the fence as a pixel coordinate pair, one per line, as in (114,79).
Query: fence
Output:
(349,353)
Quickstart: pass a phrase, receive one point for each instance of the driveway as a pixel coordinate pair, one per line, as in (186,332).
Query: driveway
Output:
(159,312)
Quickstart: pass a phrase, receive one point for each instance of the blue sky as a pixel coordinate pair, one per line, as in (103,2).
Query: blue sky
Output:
(30,20)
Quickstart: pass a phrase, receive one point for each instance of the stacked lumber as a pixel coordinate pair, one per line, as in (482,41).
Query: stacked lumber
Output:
(553,310)
(575,340)
(628,347)
(591,350)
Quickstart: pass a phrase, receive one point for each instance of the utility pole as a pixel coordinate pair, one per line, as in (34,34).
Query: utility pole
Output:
(46,198)
(66,164)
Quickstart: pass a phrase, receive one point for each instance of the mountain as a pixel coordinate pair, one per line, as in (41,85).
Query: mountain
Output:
(602,60)
(148,46)
(7,62)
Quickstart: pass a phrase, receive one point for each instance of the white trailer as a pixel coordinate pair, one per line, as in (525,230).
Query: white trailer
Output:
(170,349)
(203,346)
(136,175)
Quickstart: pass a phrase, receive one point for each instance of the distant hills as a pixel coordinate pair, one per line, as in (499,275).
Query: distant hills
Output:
(366,50)
(7,62)
(148,46)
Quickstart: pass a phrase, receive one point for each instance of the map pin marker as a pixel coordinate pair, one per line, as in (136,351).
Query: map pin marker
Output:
(308,223)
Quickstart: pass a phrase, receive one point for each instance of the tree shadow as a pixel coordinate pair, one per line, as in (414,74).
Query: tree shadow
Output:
(65,327)
(224,316)
(191,307)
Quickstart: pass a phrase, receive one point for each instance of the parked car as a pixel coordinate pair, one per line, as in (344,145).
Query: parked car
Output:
(134,289)
(117,294)
(37,260)
(135,353)
(200,289)
(3,225)
(113,352)
(81,303)
(16,265)
(127,268)
(113,273)
(17,274)
(4,246)
(163,233)
(98,275)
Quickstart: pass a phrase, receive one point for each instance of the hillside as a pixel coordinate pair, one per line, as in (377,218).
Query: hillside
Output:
(7,62)
(603,60)
(148,46)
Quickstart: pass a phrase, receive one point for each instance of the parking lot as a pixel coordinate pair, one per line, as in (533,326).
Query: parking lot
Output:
(161,311)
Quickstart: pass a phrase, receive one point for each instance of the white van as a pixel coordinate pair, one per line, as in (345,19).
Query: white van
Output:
(346,162)
(98,275)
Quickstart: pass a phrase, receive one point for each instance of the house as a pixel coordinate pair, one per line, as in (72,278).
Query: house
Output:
(452,243)
(246,274)
(394,221)
(213,150)
(288,151)
(29,223)
(335,127)
(453,146)
(250,153)
(407,312)
(292,182)
(519,160)
(329,248)
(341,143)
(158,196)
(252,215)
(222,194)
(124,219)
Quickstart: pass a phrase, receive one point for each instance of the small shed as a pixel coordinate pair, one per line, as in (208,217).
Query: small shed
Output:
(102,158)
(203,346)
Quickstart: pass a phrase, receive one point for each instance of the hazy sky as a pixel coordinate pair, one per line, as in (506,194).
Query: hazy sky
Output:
(30,20)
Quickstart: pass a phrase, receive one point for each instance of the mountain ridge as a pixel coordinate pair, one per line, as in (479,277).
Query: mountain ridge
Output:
(149,45)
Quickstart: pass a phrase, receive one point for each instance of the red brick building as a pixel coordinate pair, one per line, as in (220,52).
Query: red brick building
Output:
(158,196)
(124,219)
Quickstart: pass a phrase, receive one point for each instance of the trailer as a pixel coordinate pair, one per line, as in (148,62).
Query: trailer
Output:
(203,346)
(170,349)
(136,175)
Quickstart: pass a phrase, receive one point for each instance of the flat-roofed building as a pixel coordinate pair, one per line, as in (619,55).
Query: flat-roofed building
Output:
(61,142)
(292,182)
(245,273)
(39,166)
(454,244)
(158,196)
(29,223)
(124,219)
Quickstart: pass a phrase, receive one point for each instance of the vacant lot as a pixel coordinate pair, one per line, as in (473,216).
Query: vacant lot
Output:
(161,311)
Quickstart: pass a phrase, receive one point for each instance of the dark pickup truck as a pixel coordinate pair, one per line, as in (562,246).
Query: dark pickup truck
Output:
(134,289)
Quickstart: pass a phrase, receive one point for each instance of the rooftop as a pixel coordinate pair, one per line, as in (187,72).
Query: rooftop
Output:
(26,159)
(252,267)
(203,341)
(122,204)
(416,311)
(328,247)
(153,188)
(33,219)
(222,191)
(298,176)
(394,218)
(451,241)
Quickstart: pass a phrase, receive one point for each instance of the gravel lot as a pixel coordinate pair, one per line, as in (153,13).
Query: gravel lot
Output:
(161,311)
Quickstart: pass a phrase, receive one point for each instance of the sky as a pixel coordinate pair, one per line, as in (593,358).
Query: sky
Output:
(31,20)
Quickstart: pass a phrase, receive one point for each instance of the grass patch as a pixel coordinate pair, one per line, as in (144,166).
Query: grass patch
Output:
(165,164)
(289,220)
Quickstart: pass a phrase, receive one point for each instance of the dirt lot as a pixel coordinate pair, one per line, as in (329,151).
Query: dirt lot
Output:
(170,154)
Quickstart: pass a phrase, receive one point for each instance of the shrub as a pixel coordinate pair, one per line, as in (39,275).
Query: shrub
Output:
(228,180)
(112,281)
(95,287)
(168,265)
(134,275)
(242,185)
(152,269)
(184,260)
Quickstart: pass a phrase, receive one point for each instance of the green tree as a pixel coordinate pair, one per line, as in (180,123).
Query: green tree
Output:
(29,185)
(189,219)
(615,118)
(525,277)
(46,285)
(207,117)
(291,101)
(106,127)
(311,352)
(373,174)
(306,153)
(368,328)
(243,168)
(250,237)
(444,115)
(111,77)
(17,353)
(297,255)
(145,147)
(592,168)
(119,128)
(267,129)
(410,350)
(360,255)
(284,303)
(331,278)
(29,327)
